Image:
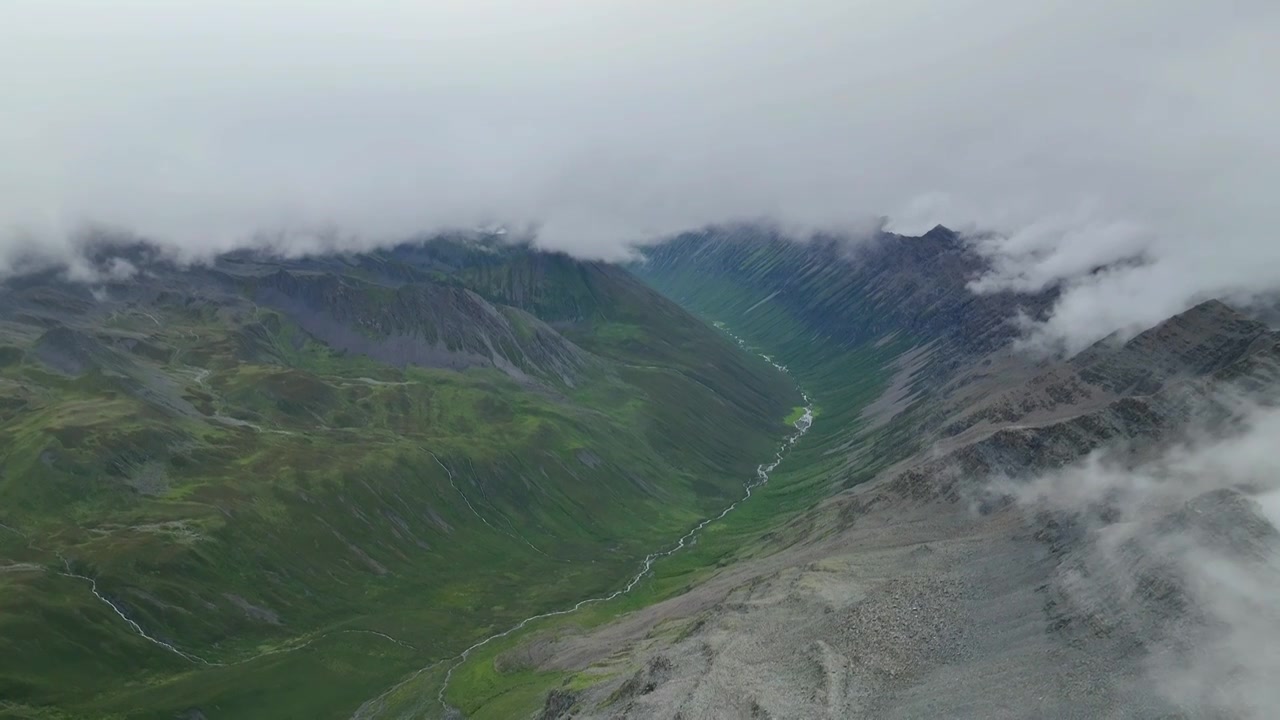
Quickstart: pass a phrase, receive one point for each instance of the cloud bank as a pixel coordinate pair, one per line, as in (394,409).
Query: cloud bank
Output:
(1079,132)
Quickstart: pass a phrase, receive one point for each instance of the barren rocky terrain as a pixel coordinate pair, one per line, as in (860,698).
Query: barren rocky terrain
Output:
(1045,555)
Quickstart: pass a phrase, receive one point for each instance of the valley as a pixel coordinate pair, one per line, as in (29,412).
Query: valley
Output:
(462,478)
(924,552)
(451,360)
(259,509)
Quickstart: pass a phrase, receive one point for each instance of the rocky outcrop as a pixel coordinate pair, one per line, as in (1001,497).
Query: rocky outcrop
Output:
(946,587)
(857,291)
(1162,368)
(422,324)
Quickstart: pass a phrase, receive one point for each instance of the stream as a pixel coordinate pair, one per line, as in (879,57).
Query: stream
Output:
(373,707)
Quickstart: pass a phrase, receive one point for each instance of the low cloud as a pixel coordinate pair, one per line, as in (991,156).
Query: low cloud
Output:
(206,126)
(1121,276)
(1181,550)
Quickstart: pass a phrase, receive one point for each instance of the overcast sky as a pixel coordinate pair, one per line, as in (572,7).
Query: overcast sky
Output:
(1083,131)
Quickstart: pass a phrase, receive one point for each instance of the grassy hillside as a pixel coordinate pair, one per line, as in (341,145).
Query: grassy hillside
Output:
(222,493)
(839,360)
(841,318)
(817,310)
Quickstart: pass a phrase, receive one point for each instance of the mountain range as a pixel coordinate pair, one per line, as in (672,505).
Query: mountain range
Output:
(741,476)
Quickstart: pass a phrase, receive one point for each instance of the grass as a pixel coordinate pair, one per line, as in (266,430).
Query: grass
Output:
(842,374)
(818,466)
(330,506)
(796,413)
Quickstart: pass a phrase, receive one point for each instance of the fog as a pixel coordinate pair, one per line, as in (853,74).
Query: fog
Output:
(1071,134)
(1167,552)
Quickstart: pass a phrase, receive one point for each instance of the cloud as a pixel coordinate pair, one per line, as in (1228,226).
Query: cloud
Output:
(1181,550)
(1121,276)
(210,125)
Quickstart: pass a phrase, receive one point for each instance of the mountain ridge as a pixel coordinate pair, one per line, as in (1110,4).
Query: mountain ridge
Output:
(354,467)
(931,582)
(236,480)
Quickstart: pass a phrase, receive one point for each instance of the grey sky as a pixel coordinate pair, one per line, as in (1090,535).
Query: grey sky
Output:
(1077,129)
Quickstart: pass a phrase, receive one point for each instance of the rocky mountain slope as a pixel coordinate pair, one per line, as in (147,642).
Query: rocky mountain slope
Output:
(1091,536)
(850,291)
(268,486)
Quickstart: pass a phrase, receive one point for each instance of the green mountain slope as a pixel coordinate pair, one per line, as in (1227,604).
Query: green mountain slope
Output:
(843,319)
(851,319)
(270,488)
(914,384)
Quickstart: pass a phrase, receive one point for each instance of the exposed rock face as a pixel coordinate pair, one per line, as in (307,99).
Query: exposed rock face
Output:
(560,704)
(1201,341)
(1208,339)
(422,324)
(68,351)
(859,291)
(1107,393)
(945,587)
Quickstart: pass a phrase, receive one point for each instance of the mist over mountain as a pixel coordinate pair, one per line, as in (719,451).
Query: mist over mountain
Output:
(745,474)
(1078,133)
(572,359)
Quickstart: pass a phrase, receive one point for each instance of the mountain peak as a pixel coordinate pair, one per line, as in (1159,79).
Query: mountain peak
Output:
(941,232)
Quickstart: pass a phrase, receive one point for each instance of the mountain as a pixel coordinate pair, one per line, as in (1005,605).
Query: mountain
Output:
(869,322)
(849,292)
(267,487)
(967,531)
(461,477)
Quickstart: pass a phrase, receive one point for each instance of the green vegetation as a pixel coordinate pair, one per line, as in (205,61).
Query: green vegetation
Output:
(260,499)
(796,413)
(259,489)
(841,374)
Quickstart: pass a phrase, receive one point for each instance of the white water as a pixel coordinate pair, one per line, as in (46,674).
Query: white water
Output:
(763,471)
(190,657)
(801,425)
(516,536)
(137,629)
